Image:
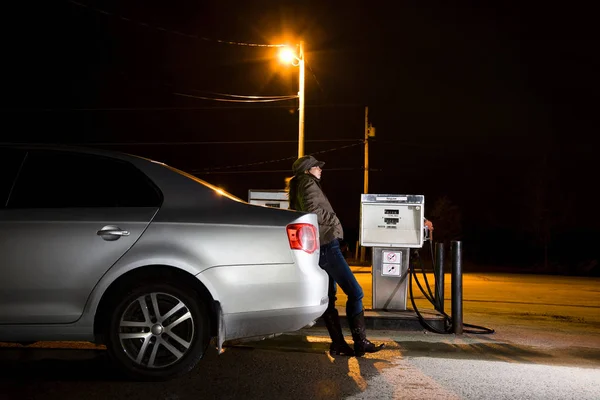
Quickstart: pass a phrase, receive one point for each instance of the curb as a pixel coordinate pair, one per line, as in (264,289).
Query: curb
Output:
(392,320)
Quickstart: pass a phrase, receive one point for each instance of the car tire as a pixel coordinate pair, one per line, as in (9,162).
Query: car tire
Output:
(157,331)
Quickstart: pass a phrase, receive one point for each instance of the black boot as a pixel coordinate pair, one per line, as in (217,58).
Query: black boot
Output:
(338,343)
(362,345)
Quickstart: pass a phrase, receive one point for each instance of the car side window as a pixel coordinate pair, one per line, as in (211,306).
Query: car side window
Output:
(10,162)
(54,179)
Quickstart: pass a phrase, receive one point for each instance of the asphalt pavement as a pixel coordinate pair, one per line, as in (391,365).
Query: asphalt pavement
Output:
(546,345)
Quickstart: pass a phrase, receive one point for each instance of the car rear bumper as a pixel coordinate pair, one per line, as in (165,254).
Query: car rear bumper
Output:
(262,323)
(269,287)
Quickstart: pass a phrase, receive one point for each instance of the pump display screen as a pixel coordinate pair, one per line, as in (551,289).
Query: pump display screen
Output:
(388,222)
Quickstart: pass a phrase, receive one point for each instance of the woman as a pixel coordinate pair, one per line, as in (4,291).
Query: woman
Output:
(305,194)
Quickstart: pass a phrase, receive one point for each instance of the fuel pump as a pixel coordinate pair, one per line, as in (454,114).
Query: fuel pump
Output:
(392,224)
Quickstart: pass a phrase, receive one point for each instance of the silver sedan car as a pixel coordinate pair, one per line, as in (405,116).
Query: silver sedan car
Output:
(150,261)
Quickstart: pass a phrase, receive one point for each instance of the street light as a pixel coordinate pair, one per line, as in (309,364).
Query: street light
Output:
(289,56)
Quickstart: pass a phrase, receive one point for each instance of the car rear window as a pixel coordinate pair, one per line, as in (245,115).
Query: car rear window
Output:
(10,162)
(208,185)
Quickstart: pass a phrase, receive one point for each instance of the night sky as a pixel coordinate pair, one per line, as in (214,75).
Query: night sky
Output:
(488,111)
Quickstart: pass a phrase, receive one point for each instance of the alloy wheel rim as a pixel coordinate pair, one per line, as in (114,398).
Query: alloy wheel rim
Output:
(156,330)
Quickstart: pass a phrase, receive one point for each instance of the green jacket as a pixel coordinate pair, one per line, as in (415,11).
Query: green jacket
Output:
(306,195)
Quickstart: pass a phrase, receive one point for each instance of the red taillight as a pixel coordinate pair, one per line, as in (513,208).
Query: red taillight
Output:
(303,237)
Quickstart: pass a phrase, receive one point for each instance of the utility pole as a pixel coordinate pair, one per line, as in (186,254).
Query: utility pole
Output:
(296,58)
(369,132)
(301,100)
(366,179)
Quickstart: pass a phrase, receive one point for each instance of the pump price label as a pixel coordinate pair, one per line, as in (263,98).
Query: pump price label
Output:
(392,257)
(390,270)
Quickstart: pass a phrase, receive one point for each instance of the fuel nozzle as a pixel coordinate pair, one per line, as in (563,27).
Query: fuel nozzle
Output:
(427,234)
(427,230)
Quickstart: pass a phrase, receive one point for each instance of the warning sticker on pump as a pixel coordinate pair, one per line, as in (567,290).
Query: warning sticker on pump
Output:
(392,257)
(390,270)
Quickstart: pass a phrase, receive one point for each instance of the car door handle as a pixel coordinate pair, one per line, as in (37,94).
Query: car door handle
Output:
(112,231)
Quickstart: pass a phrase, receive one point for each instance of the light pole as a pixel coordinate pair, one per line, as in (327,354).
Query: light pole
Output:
(289,56)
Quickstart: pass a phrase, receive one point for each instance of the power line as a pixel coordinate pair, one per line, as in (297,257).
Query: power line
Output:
(161,29)
(196,172)
(215,169)
(219,143)
(280,159)
(183,143)
(339,148)
(316,80)
(207,92)
(247,96)
(134,109)
(270,100)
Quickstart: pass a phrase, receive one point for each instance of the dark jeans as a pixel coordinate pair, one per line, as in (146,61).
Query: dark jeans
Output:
(333,262)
